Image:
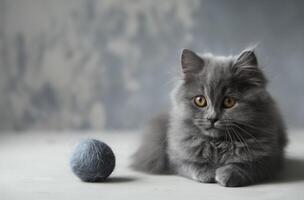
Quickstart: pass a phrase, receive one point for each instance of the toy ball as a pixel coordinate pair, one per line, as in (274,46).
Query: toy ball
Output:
(92,161)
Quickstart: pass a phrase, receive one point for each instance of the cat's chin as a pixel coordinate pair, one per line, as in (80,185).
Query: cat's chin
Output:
(214,133)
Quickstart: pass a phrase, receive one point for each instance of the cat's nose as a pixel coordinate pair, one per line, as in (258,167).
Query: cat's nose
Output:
(212,120)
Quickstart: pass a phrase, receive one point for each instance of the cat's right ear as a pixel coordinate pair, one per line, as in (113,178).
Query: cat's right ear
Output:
(191,63)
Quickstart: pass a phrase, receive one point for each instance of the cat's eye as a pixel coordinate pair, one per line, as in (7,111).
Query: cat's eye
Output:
(229,102)
(200,101)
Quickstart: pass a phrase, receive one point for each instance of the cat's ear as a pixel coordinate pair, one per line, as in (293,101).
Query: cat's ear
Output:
(247,58)
(191,63)
(246,69)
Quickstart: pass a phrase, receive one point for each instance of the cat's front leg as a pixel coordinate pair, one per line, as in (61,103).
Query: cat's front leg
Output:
(204,173)
(233,175)
(246,173)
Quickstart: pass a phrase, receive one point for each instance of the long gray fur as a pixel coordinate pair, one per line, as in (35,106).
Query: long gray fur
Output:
(247,144)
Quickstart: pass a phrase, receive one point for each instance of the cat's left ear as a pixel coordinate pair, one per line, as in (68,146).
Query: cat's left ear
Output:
(191,63)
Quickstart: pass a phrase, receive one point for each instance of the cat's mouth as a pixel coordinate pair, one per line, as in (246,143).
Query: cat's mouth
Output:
(210,127)
(211,130)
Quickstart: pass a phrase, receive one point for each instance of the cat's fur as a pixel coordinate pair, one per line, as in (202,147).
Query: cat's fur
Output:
(247,144)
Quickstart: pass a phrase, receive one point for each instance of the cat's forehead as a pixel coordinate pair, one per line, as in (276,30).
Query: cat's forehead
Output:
(212,62)
(215,76)
(216,69)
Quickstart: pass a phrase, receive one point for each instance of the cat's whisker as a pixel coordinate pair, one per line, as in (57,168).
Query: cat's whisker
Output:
(235,125)
(227,133)
(231,140)
(236,122)
(241,139)
(258,142)
(252,126)
(226,136)
(256,128)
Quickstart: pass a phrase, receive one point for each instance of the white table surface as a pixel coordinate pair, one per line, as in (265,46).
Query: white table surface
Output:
(34,165)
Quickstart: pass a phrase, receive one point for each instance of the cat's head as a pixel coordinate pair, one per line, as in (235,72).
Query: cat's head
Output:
(218,92)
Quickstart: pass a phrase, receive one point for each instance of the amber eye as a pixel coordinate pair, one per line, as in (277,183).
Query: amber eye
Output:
(200,101)
(229,102)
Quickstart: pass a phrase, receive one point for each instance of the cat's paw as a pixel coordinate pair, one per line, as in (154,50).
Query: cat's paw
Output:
(204,175)
(199,173)
(231,176)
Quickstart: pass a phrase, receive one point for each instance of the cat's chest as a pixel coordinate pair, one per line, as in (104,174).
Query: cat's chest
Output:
(202,151)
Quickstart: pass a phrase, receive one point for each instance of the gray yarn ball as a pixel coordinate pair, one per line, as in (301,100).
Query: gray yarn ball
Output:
(92,160)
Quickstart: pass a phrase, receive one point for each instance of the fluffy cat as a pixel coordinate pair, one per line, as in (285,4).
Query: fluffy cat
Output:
(223,127)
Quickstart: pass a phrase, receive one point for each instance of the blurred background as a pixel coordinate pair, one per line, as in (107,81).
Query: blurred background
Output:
(110,64)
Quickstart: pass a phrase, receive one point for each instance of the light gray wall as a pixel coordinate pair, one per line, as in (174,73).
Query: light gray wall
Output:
(82,64)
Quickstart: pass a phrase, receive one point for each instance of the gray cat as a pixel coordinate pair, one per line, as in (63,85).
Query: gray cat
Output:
(223,127)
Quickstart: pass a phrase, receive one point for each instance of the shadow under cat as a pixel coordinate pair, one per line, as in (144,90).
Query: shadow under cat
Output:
(293,171)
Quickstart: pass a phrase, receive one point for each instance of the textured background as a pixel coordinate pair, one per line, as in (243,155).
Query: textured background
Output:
(89,64)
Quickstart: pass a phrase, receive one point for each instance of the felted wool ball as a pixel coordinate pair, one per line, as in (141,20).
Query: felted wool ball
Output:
(92,160)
